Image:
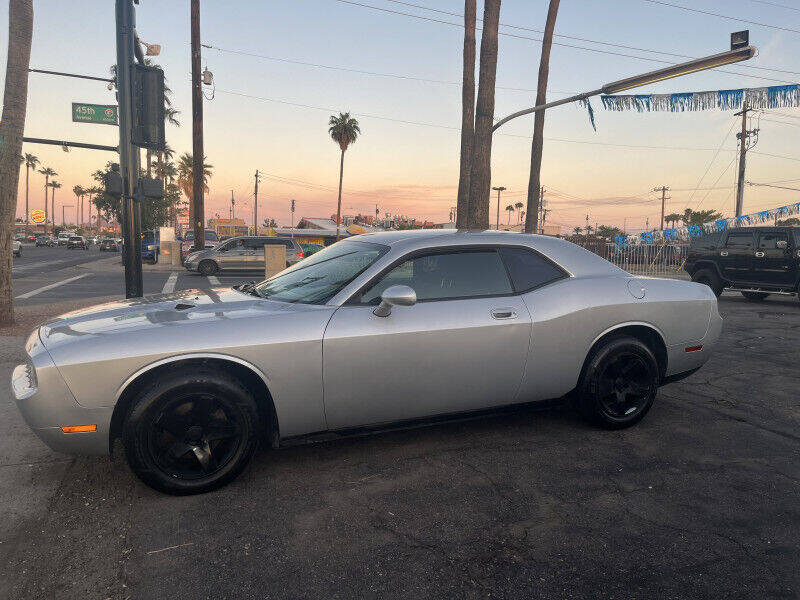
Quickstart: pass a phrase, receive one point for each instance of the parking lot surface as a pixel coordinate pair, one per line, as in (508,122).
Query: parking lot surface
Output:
(700,500)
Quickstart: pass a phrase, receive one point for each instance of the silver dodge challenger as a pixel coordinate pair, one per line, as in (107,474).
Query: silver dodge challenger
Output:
(380,329)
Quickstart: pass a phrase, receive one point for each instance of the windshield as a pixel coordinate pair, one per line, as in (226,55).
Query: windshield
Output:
(322,275)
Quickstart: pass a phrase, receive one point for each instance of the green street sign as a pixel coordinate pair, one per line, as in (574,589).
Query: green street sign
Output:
(104,114)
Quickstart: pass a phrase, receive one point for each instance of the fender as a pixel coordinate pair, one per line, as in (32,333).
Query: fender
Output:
(196,355)
(627,324)
(709,264)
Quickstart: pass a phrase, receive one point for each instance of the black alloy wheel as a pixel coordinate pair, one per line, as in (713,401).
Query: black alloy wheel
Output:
(619,384)
(191,432)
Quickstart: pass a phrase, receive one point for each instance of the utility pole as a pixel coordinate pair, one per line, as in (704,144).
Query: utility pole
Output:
(255,207)
(542,211)
(663,189)
(742,155)
(498,190)
(128,155)
(198,157)
(292,211)
(233,213)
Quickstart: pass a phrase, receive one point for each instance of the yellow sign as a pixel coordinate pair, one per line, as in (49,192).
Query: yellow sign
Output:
(356,230)
(38,216)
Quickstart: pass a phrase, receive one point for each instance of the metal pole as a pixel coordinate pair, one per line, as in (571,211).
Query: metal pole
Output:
(742,155)
(198,156)
(255,207)
(128,155)
(498,189)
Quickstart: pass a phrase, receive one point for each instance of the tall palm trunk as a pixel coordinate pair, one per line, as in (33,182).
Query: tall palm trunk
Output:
(534,181)
(27,183)
(339,202)
(467,114)
(12,124)
(481,173)
(46,207)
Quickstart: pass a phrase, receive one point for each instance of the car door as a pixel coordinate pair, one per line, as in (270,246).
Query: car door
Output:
(773,261)
(254,255)
(233,255)
(736,258)
(461,347)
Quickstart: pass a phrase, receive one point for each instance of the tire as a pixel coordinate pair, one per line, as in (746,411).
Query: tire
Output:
(755,296)
(207,267)
(191,432)
(710,278)
(619,383)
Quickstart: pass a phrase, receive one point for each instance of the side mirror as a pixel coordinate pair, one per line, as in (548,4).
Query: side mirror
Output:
(781,244)
(396,295)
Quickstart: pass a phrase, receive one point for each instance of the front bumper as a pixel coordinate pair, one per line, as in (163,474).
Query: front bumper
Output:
(47,404)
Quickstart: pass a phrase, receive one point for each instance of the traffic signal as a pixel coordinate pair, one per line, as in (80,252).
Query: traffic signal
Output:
(147,107)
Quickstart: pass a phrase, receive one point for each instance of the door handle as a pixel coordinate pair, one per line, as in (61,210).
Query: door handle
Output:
(759,254)
(504,313)
(724,253)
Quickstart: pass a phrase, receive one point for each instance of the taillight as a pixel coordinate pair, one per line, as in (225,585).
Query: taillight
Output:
(300,255)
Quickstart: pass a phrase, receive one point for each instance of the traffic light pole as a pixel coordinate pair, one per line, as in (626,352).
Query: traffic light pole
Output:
(128,155)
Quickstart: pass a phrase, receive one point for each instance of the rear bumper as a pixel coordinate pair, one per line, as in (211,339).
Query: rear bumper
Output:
(47,405)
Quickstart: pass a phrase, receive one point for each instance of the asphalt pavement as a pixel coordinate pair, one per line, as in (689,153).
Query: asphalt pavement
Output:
(45,275)
(700,500)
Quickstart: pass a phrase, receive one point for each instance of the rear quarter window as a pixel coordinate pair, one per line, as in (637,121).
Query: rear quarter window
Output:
(529,269)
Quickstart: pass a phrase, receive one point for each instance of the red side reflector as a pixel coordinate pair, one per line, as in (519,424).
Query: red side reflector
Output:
(693,348)
(300,255)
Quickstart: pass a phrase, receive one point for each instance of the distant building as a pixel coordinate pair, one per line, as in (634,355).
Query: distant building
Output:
(228,227)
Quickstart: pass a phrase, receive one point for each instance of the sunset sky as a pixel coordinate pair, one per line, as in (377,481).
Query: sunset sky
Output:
(271,114)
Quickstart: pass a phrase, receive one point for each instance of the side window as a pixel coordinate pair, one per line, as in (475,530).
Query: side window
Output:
(253,244)
(447,275)
(769,241)
(529,269)
(740,240)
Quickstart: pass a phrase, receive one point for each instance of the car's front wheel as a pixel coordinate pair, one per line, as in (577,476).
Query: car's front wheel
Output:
(191,432)
(619,383)
(207,267)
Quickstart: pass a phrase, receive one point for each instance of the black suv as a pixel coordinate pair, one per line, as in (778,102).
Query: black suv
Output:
(756,261)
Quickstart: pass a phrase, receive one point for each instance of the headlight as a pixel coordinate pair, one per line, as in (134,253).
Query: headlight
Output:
(151,247)
(23,381)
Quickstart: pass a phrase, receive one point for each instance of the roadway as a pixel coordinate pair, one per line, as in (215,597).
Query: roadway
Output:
(49,275)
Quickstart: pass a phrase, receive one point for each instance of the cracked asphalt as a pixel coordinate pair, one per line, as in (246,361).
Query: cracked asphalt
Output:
(700,500)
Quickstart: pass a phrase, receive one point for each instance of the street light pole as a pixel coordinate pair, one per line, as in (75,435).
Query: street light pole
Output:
(736,54)
(498,190)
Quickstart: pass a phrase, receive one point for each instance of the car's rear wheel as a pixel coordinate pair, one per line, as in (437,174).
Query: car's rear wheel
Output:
(755,296)
(619,383)
(711,279)
(207,267)
(191,432)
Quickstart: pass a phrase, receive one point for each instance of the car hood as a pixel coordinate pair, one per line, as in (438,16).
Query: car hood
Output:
(152,312)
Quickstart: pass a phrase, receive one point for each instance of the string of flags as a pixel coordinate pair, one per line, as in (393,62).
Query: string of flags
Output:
(777,96)
(695,231)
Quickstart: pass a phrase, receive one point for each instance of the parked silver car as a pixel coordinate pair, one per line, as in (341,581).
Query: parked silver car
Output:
(243,253)
(377,329)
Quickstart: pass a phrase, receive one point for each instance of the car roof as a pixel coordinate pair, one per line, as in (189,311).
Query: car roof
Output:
(578,261)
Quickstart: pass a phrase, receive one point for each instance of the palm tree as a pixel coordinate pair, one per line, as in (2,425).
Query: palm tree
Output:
(12,124)
(80,192)
(344,131)
(534,181)
(510,209)
(31,162)
(673,218)
(519,206)
(577,231)
(186,179)
(48,173)
(54,185)
(467,114)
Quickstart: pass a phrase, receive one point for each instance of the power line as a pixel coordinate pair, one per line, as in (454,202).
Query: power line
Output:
(721,16)
(574,46)
(582,39)
(708,168)
(776,4)
(451,128)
